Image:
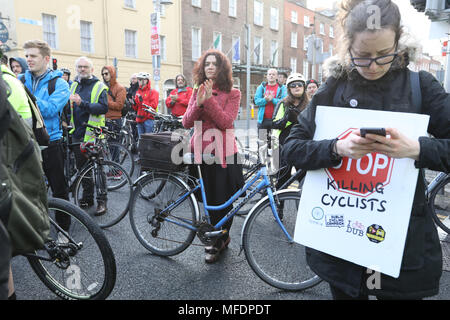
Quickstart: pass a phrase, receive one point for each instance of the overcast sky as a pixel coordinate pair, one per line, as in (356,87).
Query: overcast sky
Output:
(416,22)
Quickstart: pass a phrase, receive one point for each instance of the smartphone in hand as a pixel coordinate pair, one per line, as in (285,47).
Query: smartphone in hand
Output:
(377,131)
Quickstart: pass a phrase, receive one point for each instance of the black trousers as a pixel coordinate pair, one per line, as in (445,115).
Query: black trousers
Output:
(53,165)
(5,258)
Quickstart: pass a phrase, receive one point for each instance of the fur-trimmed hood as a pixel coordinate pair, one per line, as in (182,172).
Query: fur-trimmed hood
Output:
(409,50)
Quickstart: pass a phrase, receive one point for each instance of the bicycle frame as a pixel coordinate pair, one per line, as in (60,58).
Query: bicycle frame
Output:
(264,184)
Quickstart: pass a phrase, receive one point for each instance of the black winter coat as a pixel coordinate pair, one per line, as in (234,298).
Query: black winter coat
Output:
(422,258)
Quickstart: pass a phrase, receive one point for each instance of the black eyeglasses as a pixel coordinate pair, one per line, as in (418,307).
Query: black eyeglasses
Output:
(295,85)
(367,62)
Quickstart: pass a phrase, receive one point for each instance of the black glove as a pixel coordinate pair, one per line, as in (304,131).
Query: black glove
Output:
(293,115)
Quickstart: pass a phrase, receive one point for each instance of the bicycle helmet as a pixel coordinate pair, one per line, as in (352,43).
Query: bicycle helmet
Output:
(143,75)
(295,77)
(64,70)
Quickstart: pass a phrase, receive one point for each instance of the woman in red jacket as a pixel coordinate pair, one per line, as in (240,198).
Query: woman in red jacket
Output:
(212,111)
(178,99)
(145,95)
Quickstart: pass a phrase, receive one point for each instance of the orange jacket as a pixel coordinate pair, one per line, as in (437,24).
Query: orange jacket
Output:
(180,105)
(116,96)
(149,97)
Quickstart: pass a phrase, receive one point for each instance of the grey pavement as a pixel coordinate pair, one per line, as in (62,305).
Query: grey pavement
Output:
(143,276)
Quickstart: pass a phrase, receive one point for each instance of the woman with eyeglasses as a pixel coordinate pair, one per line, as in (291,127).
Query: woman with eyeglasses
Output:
(371,72)
(285,116)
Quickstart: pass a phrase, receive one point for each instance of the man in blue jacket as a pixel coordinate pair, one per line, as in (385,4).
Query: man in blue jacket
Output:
(52,94)
(267,96)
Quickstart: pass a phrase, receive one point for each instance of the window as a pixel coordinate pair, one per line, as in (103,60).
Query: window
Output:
(305,44)
(130,4)
(331,49)
(49,27)
(320,73)
(162,47)
(274,53)
(258,13)
(274,13)
(258,50)
(306,21)
(294,17)
(87,41)
(331,32)
(215,5)
(322,28)
(197,3)
(232,8)
(196,43)
(294,65)
(294,39)
(217,40)
(306,69)
(131,43)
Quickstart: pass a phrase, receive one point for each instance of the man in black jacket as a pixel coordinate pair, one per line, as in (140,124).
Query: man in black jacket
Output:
(89,101)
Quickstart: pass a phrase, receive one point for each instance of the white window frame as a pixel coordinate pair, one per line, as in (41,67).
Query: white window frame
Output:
(305,43)
(294,39)
(274,50)
(131,35)
(232,8)
(331,32)
(196,46)
(131,4)
(196,3)
(305,68)
(50,30)
(89,37)
(255,44)
(258,13)
(215,6)
(322,28)
(293,64)
(294,17)
(274,18)
(306,22)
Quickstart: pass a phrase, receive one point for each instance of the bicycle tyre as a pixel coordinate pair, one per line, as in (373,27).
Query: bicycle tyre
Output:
(120,193)
(275,260)
(437,195)
(126,158)
(83,229)
(170,238)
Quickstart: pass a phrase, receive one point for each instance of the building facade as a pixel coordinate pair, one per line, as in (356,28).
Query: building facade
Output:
(109,32)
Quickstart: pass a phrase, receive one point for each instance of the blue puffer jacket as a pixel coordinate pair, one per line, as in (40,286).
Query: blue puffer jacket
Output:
(50,106)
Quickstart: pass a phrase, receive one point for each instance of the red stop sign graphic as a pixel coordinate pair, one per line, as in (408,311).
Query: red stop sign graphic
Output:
(361,177)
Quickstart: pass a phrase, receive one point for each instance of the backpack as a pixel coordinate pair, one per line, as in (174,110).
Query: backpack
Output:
(39,129)
(23,193)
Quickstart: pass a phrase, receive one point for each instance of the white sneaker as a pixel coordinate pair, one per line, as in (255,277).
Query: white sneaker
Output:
(62,239)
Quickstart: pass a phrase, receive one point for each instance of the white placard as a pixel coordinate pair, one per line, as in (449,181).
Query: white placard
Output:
(360,211)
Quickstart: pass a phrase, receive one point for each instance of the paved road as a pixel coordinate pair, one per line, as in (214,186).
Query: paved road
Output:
(142,276)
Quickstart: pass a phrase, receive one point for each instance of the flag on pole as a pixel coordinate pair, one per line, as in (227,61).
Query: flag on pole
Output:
(216,44)
(237,51)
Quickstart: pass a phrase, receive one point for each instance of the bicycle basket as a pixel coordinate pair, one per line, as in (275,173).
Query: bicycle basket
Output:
(161,151)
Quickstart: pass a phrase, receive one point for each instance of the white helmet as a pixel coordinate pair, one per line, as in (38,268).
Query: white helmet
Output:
(143,75)
(295,77)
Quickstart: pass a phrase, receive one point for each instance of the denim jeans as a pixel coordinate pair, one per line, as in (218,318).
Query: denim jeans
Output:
(145,127)
(115,125)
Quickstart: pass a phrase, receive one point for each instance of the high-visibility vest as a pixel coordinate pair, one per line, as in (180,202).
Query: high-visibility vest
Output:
(17,97)
(94,119)
(280,114)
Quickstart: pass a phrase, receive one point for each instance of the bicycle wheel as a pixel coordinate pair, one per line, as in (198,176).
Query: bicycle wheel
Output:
(124,156)
(106,182)
(276,260)
(440,204)
(83,267)
(153,230)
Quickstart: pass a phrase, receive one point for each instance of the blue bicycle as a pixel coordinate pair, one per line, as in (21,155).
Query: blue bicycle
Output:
(165,217)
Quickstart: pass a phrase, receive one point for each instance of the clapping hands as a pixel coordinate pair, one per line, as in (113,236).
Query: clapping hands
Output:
(204,92)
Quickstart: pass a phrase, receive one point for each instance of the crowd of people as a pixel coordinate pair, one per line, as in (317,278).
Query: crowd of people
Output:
(371,69)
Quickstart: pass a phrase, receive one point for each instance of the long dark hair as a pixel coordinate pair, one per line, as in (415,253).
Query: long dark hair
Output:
(224,79)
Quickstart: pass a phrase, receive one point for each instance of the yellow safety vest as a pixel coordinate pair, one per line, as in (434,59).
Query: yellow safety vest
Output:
(280,114)
(94,119)
(17,95)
